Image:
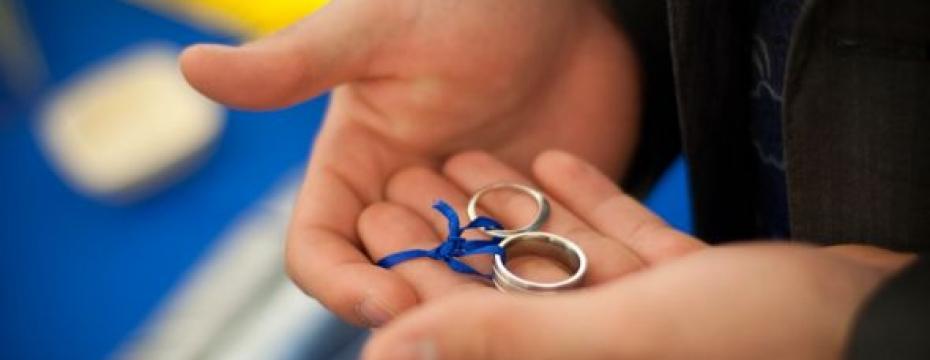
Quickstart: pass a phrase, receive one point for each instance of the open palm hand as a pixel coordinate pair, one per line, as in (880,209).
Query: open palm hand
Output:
(416,81)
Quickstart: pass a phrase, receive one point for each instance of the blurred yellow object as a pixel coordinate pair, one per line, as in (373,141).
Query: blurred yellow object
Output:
(249,18)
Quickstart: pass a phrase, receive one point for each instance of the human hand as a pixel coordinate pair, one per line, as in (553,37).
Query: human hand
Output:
(618,234)
(419,80)
(761,301)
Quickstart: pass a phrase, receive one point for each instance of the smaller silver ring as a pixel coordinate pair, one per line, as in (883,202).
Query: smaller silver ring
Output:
(539,243)
(542,208)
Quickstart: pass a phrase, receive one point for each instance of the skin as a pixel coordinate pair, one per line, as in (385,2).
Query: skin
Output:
(683,300)
(416,82)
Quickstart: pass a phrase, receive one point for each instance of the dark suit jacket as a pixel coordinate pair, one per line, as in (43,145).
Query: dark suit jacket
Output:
(856,131)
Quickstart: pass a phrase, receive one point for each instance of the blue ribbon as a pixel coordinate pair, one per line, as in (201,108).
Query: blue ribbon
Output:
(455,246)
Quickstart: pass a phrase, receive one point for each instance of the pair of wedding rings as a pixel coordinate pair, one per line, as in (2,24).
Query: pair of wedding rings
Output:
(528,240)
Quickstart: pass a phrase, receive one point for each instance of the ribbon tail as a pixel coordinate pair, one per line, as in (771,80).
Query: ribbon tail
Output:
(449,213)
(396,258)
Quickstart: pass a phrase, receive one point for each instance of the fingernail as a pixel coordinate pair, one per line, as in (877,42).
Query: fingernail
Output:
(374,312)
(419,350)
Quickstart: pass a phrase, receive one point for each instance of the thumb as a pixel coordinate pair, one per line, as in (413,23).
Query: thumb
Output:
(490,325)
(882,259)
(323,50)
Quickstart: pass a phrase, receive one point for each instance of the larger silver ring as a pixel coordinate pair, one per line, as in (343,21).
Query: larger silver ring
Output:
(545,244)
(542,208)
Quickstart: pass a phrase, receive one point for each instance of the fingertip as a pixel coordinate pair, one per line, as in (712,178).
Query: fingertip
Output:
(563,173)
(387,297)
(366,295)
(196,53)
(198,63)
(348,284)
(559,163)
(467,160)
(193,55)
(189,59)
(252,76)
(386,228)
(402,181)
(374,216)
(552,156)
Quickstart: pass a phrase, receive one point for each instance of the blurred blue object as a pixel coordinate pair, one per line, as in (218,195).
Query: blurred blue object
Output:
(80,276)
(671,197)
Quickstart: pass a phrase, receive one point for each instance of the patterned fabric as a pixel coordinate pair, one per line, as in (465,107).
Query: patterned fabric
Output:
(771,37)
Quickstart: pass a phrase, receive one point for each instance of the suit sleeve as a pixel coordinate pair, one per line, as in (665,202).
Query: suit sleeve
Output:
(645,22)
(895,322)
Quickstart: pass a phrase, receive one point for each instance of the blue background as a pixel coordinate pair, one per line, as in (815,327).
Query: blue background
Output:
(80,276)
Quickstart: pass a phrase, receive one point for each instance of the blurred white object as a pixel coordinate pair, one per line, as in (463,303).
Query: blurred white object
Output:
(128,125)
(238,303)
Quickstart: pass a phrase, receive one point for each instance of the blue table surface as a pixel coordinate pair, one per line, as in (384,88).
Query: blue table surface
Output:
(80,276)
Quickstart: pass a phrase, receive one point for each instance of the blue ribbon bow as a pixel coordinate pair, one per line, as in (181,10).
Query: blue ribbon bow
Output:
(455,246)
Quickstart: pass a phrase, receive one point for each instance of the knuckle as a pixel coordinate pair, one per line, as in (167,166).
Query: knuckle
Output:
(644,230)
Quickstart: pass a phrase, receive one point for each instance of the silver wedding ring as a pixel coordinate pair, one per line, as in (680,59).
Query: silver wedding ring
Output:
(528,241)
(543,244)
(542,208)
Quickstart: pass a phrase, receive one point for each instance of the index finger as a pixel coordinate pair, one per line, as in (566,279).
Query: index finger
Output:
(323,248)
